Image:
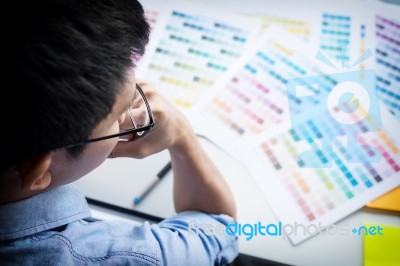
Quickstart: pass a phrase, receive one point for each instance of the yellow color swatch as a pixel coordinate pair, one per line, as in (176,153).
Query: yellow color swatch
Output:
(382,250)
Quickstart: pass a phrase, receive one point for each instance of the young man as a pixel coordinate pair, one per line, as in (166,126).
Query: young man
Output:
(73,101)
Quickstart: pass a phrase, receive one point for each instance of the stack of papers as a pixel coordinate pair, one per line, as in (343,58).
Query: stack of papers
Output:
(293,96)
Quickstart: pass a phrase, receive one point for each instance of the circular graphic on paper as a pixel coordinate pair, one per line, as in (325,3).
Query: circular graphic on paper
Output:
(348,102)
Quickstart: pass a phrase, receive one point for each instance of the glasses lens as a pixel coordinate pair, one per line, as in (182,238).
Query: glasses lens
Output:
(137,116)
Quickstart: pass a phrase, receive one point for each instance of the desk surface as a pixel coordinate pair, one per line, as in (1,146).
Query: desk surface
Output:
(322,249)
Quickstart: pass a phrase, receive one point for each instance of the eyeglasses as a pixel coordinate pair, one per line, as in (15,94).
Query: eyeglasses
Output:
(140,116)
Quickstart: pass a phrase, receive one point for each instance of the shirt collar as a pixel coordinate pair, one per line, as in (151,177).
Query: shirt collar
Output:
(47,210)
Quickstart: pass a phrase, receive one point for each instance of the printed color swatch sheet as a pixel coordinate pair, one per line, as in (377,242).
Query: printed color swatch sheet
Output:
(388,61)
(299,192)
(253,97)
(193,51)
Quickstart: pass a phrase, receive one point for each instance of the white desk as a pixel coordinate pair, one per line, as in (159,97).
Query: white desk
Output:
(321,249)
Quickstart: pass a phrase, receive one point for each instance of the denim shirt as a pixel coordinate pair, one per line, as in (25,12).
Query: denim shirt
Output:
(47,229)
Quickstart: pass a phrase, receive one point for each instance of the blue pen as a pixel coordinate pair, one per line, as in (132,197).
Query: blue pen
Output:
(160,175)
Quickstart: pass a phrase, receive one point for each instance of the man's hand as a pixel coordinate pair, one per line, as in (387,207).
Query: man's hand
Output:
(171,131)
(198,184)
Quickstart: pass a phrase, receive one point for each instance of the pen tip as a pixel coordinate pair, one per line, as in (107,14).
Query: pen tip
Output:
(136,200)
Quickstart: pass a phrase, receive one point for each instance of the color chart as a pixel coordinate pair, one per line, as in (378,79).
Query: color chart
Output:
(388,62)
(323,195)
(340,35)
(346,39)
(335,37)
(253,96)
(193,50)
(294,17)
(298,27)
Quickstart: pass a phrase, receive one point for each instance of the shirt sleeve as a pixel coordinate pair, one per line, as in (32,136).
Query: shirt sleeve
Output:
(196,238)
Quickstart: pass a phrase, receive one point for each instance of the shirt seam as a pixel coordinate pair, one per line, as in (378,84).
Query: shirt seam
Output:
(67,242)
(158,256)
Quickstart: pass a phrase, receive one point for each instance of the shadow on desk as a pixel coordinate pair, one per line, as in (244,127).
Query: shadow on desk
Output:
(246,260)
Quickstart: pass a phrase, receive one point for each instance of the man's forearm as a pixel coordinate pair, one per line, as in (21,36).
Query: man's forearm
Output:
(198,184)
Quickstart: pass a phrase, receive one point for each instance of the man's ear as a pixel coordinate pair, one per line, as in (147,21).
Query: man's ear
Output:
(34,172)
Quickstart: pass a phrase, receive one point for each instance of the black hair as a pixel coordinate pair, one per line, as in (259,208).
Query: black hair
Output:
(65,61)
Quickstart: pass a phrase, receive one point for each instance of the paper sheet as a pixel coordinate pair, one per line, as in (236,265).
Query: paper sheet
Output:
(388,56)
(192,47)
(389,201)
(252,97)
(327,193)
(318,168)
(382,250)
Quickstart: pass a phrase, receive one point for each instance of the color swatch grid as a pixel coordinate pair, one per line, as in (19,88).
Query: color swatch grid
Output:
(363,44)
(192,53)
(245,104)
(297,27)
(254,98)
(335,37)
(337,188)
(388,63)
